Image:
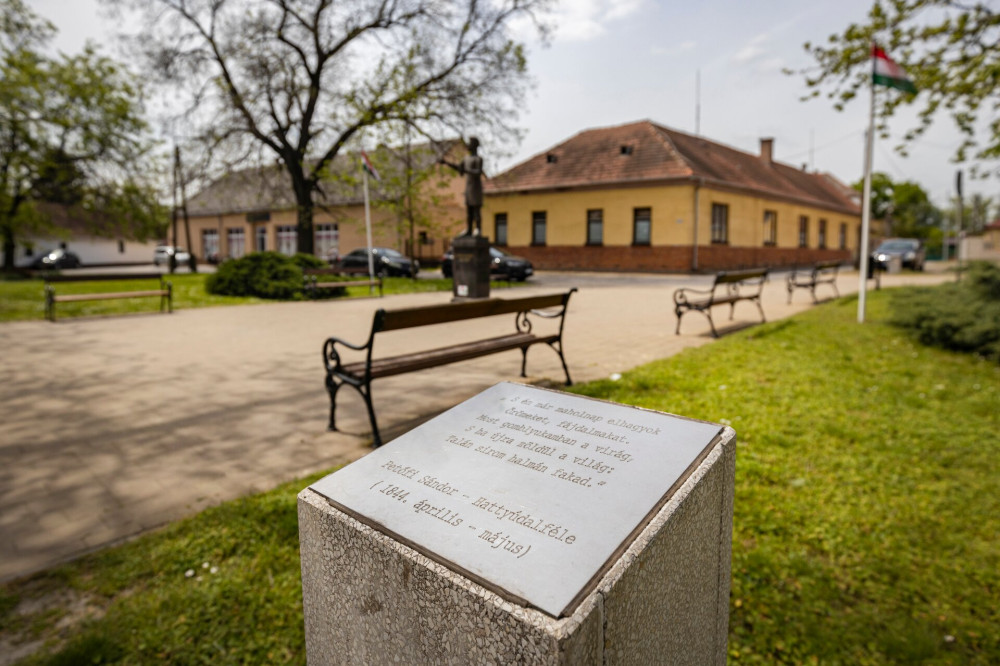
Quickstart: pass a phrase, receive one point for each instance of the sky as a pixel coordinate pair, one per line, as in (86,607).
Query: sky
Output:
(612,62)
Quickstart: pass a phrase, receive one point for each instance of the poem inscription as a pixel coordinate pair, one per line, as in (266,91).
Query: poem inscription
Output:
(531,491)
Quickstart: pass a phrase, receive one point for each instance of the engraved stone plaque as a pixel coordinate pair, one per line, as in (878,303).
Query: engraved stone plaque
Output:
(530,492)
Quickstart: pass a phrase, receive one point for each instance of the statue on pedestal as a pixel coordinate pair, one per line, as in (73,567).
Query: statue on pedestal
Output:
(471,167)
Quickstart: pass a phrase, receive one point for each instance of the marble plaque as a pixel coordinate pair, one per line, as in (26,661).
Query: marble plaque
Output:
(533,493)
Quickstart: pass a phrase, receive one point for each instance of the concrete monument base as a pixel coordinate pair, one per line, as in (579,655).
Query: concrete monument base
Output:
(471,267)
(370,599)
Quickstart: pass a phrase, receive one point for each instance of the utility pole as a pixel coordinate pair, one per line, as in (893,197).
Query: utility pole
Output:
(960,222)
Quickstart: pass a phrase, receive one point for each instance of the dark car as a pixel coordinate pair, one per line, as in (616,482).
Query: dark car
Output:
(57,258)
(385,260)
(501,263)
(910,251)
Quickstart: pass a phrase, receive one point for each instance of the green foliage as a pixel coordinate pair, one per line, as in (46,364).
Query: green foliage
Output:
(262,274)
(963,316)
(949,51)
(71,132)
(905,206)
(304,261)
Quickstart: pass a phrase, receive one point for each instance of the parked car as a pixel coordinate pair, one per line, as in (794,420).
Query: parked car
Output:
(501,263)
(909,250)
(162,253)
(385,260)
(57,258)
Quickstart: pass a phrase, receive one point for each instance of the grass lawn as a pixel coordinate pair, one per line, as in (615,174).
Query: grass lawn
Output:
(867,517)
(22,299)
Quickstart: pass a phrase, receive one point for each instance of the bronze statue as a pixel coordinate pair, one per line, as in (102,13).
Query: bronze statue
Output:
(471,167)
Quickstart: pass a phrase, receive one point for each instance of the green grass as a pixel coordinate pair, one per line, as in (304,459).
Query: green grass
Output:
(24,299)
(866,529)
(867,511)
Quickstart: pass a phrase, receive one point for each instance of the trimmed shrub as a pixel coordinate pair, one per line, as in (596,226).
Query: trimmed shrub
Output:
(304,261)
(963,316)
(261,274)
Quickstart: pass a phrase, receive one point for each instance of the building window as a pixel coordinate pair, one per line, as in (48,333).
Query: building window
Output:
(821,239)
(288,241)
(595,227)
(236,242)
(641,223)
(720,223)
(538,228)
(770,227)
(500,228)
(843,236)
(327,241)
(803,231)
(210,244)
(260,239)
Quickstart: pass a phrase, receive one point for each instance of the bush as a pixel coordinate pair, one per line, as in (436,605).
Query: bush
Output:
(261,274)
(962,316)
(304,261)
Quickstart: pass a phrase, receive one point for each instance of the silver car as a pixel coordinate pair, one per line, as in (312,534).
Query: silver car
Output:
(162,254)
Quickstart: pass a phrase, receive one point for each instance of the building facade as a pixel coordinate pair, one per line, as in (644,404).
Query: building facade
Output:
(253,210)
(644,197)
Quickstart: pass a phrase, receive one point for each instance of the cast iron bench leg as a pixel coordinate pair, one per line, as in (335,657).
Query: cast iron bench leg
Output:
(569,382)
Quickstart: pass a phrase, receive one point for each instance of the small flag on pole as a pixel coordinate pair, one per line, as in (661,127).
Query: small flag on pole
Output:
(367,165)
(888,73)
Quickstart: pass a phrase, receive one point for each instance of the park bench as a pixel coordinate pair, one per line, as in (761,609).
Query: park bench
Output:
(360,373)
(822,272)
(316,279)
(728,287)
(164,291)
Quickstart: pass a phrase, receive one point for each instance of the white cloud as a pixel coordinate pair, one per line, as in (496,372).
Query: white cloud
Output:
(582,20)
(754,49)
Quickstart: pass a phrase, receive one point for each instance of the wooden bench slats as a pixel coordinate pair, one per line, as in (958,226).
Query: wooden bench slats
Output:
(739,285)
(397,365)
(312,276)
(69,298)
(165,292)
(359,374)
(393,320)
(822,272)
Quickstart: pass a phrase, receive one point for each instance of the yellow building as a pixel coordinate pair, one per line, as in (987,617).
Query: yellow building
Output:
(644,197)
(254,210)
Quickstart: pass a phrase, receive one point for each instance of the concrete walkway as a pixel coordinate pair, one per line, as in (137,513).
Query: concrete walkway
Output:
(114,426)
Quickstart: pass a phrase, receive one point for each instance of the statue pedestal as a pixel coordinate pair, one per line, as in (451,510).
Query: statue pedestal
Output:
(471,267)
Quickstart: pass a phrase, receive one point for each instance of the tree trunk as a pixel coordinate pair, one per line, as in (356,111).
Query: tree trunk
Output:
(303,189)
(9,248)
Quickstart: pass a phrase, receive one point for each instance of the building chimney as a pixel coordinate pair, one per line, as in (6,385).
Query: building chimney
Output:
(767,150)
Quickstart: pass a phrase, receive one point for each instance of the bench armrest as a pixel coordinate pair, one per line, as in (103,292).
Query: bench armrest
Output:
(331,357)
(681,294)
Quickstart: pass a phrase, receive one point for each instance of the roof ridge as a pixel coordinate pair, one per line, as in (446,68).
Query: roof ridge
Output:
(664,138)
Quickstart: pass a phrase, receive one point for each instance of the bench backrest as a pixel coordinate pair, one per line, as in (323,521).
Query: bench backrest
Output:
(729,277)
(94,277)
(827,265)
(392,320)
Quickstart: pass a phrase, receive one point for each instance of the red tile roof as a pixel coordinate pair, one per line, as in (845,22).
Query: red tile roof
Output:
(647,153)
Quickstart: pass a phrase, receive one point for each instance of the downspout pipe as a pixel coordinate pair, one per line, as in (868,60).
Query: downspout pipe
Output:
(698,182)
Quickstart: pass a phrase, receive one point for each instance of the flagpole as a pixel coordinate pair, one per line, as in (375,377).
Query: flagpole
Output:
(368,232)
(866,201)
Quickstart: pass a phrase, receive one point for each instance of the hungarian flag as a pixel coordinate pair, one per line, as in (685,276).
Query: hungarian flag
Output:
(888,73)
(367,166)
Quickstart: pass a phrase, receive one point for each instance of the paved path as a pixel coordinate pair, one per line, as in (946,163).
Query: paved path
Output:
(110,427)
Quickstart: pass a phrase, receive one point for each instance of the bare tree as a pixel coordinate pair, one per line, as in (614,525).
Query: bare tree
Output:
(296,80)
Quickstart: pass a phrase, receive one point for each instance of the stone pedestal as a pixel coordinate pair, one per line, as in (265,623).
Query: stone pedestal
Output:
(471,267)
(662,598)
